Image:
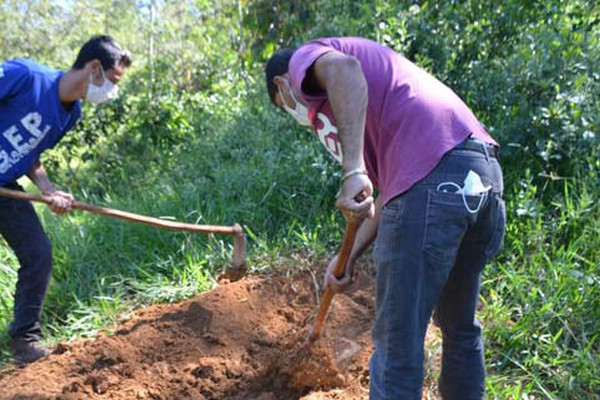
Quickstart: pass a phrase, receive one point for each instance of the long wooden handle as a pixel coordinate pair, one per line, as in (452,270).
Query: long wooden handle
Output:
(142,219)
(338,272)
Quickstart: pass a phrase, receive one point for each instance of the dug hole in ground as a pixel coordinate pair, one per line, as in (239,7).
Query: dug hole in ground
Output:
(242,340)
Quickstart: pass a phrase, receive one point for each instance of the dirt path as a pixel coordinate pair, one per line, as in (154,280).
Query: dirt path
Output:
(242,340)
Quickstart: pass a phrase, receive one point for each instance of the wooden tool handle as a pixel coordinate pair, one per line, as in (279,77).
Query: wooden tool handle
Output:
(142,219)
(338,272)
(346,250)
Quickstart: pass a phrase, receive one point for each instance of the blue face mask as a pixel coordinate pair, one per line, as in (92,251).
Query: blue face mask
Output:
(299,112)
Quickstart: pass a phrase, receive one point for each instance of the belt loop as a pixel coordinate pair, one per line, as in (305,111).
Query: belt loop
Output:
(485,150)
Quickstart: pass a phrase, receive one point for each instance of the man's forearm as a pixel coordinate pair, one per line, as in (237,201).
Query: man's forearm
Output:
(37,174)
(366,233)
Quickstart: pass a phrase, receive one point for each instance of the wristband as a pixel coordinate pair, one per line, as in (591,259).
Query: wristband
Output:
(352,172)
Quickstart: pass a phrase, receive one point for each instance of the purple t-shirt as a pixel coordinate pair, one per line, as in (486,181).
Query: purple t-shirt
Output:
(412,118)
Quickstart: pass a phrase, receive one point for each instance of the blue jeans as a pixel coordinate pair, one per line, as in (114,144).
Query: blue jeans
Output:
(22,230)
(430,253)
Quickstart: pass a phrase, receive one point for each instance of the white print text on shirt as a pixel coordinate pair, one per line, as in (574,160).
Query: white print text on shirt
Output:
(328,135)
(1,72)
(32,123)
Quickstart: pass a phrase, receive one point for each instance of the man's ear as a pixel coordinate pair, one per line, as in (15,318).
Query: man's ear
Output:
(279,80)
(93,67)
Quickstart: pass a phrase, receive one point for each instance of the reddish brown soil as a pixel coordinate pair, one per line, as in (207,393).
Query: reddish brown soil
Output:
(242,340)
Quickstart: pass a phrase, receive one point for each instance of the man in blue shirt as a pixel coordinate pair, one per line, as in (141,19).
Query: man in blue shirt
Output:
(38,106)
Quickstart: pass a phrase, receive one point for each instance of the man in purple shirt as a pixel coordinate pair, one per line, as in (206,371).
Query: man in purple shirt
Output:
(438,218)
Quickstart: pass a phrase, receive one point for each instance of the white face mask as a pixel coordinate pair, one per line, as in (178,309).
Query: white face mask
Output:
(300,112)
(100,94)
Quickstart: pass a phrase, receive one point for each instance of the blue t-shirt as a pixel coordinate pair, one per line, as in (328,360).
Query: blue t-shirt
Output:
(32,118)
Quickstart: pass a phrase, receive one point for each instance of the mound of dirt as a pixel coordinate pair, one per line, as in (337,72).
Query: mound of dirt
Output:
(242,340)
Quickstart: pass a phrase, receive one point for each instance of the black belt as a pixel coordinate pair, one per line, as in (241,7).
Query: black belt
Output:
(477,145)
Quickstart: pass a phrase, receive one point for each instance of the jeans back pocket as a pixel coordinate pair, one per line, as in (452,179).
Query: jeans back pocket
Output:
(446,222)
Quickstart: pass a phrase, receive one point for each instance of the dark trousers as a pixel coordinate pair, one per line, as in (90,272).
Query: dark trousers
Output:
(22,230)
(431,248)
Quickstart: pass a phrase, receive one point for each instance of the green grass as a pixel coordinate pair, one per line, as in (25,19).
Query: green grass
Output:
(540,297)
(202,149)
(237,171)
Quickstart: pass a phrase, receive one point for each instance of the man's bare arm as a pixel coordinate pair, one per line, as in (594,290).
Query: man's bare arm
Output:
(342,78)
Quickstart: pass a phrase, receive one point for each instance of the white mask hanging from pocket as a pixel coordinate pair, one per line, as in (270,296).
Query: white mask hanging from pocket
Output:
(472,186)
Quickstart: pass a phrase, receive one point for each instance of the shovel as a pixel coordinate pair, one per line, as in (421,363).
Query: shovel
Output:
(239,239)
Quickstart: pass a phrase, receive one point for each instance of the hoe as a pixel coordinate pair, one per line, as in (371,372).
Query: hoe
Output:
(239,239)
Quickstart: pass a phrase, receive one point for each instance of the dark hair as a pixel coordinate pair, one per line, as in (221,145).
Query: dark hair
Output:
(277,65)
(105,49)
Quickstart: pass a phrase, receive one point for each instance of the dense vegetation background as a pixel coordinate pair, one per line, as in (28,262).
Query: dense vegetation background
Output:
(193,137)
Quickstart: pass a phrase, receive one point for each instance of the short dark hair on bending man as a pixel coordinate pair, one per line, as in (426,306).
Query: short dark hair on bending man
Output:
(277,65)
(105,49)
